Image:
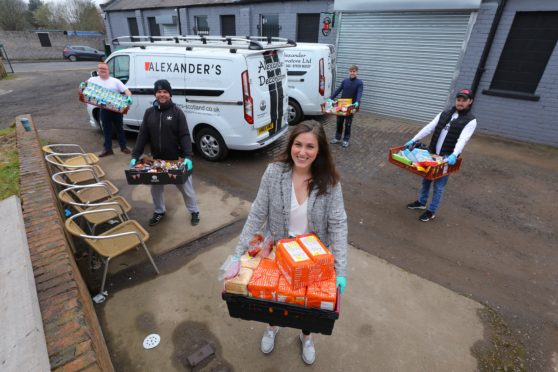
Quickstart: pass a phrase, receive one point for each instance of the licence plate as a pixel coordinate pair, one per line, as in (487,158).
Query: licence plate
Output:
(266,128)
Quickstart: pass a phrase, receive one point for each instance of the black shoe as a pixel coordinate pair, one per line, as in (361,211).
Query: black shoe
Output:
(157,217)
(106,153)
(195,218)
(427,216)
(416,205)
(125,150)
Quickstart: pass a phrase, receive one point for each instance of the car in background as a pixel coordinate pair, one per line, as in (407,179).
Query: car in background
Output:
(82,52)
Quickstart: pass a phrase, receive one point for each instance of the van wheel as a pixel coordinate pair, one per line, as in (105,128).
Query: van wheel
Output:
(295,113)
(211,145)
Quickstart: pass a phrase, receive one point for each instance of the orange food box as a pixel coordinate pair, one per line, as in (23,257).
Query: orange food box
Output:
(285,293)
(322,295)
(264,281)
(294,263)
(322,257)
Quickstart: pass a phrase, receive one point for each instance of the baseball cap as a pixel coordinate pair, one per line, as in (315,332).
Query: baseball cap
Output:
(465,93)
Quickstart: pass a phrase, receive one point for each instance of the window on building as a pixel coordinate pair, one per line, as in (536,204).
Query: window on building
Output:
(120,68)
(201,26)
(530,42)
(133,27)
(308,28)
(228,25)
(269,25)
(154,29)
(44,39)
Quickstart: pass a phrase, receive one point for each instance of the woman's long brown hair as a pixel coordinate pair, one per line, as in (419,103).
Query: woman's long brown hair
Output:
(323,169)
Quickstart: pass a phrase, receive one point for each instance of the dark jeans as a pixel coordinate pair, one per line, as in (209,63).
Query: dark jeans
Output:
(348,121)
(108,119)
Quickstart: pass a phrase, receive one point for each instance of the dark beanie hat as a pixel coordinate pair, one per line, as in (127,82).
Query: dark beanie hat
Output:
(162,85)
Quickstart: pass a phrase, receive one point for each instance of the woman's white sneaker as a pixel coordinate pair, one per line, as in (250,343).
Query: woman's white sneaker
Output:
(268,339)
(308,350)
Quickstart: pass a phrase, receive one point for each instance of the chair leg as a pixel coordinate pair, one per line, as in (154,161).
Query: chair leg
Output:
(150,258)
(105,270)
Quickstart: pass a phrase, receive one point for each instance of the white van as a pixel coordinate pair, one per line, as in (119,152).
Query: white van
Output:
(311,78)
(232,90)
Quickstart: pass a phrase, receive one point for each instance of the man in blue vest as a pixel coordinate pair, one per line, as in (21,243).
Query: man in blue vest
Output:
(452,130)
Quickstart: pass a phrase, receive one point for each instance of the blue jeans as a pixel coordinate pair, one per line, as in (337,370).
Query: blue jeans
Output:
(108,119)
(439,186)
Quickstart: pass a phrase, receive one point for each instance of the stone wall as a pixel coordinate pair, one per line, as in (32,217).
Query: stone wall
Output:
(25,45)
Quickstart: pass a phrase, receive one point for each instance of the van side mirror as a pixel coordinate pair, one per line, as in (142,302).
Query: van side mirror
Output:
(94,73)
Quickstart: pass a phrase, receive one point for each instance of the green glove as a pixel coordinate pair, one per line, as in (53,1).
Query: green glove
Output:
(341,282)
(132,162)
(355,104)
(129,100)
(188,164)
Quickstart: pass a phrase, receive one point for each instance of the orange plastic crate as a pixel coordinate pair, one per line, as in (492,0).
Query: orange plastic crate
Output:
(432,174)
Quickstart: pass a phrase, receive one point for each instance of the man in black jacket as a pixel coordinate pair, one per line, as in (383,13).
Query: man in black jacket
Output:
(451,130)
(164,127)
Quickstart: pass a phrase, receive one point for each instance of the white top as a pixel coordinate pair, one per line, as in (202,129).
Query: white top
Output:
(298,221)
(111,83)
(461,141)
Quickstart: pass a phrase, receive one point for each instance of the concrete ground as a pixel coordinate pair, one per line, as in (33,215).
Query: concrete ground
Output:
(390,320)
(217,210)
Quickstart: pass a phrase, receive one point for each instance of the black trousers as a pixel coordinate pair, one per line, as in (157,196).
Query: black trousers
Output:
(348,121)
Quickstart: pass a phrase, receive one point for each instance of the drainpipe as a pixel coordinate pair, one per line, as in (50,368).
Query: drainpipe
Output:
(179,24)
(482,63)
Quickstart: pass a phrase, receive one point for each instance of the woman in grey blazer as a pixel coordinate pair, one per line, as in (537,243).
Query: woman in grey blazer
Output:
(298,194)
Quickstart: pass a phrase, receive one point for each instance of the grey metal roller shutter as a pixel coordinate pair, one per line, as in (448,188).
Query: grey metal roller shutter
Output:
(407,60)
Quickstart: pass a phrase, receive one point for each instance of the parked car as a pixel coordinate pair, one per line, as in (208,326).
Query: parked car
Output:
(77,52)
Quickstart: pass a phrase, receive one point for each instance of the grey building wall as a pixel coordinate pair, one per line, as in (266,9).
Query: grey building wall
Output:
(246,17)
(32,49)
(508,117)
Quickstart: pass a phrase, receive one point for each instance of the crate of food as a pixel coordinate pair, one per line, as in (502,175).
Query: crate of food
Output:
(282,314)
(340,107)
(157,172)
(96,95)
(432,169)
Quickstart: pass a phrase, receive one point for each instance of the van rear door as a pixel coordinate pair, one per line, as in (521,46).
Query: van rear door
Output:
(268,84)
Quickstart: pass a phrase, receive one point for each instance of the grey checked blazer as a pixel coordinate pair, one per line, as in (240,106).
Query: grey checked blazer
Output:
(326,214)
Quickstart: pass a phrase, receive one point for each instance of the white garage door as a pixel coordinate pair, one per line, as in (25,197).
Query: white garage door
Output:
(407,60)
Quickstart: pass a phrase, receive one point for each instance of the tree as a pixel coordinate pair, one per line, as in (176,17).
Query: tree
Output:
(47,17)
(31,7)
(13,16)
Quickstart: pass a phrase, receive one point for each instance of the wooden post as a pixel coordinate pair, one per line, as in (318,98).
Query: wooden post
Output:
(3,72)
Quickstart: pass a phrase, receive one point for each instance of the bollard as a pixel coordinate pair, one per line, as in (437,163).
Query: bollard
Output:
(26,124)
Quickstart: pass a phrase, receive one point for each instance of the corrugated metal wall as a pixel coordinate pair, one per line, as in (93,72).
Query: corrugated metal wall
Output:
(407,60)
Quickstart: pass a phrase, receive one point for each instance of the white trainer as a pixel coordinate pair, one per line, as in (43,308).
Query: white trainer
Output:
(268,339)
(308,350)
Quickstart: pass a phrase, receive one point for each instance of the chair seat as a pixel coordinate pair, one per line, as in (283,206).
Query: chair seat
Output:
(88,159)
(116,246)
(81,177)
(95,194)
(102,217)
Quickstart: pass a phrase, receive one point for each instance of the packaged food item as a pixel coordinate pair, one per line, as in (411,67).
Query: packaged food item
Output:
(239,284)
(264,281)
(249,262)
(322,294)
(260,244)
(96,95)
(285,293)
(322,257)
(344,102)
(294,263)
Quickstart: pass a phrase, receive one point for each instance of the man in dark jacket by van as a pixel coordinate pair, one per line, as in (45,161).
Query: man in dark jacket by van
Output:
(351,88)
(164,127)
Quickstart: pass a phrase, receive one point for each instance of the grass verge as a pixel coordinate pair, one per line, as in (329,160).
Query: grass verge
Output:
(9,163)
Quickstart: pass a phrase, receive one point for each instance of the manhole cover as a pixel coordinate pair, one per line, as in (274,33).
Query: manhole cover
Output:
(151,341)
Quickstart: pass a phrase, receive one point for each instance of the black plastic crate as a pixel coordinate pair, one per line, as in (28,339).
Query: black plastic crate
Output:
(282,314)
(171,176)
